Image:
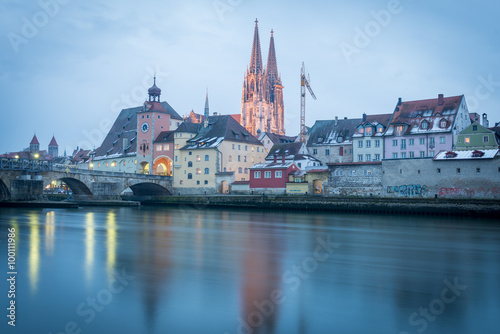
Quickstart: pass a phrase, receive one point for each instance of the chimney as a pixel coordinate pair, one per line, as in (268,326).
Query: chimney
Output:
(336,120)
(364,117)
(440,99)
(205,123)
(275,157)
(283,158)
(215,113)
(486,124)
(399,101)
(345,117)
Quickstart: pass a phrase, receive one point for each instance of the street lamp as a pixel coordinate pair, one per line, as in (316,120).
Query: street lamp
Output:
(37,155)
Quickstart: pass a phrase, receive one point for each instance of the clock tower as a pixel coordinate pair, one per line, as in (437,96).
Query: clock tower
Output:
(151,120)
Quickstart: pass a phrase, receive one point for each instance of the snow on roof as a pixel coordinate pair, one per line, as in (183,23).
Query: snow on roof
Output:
(468,154)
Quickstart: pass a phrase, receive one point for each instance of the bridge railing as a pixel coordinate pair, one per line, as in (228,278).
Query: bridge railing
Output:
(74,169)
(30,165)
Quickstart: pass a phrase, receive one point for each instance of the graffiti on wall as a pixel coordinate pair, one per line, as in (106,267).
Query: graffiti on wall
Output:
(468,192)
(408,190)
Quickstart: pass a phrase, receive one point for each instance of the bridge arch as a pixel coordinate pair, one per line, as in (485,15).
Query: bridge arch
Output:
(4,191)
(149,189)
(80,189)
(163,166)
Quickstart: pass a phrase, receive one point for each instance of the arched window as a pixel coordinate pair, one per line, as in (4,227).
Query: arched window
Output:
(190,164)
(246,170)
(190,176)
(198,158)
(198,171)
(240,170)
(207,171)
(207,157)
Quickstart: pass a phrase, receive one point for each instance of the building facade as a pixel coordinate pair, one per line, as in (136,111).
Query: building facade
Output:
(262,108)
(368,141)
(476,137)
(271,177)
(422,128)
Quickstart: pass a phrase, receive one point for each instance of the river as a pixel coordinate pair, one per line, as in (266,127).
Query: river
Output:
(198,270)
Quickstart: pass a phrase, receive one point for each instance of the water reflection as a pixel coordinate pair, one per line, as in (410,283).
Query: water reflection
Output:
(89,245)
(49,232)
(111,244)
(34,251)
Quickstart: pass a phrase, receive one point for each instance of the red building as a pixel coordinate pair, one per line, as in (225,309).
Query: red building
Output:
(163,153)
(271,177)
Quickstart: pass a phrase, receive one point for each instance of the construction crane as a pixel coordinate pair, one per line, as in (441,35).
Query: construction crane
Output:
(304,82)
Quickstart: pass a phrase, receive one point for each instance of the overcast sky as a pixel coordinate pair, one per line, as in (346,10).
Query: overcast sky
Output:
(67,68)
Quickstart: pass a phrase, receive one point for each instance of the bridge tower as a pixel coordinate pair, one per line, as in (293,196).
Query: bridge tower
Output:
(151,120)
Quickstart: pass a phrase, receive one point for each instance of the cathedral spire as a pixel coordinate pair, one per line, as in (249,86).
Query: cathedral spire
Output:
(272,65)
(207,113)
(256,59)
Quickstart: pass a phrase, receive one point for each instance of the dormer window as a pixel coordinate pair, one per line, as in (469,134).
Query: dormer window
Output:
(450,154)
(380,129)
(424,125)
(477,154)
(361,130)
(443,124)
(399,130)
(320,139)
(368,131)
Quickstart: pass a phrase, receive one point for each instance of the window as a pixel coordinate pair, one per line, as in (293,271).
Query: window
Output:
(256,175)
(258,149)
(198,182)
(240,170)
(432,143)
(368,143)
(175,158)
(442,140)
(467,140)
(198,171)
(377,143)
(394,155)
(107,164)
(99,165)
(190,164)
(377,157)
(267,174)
(424,125)
(360,157)
(439,170)
(411,142)
(412,154)
(177,146)
(422,154)
(190,176)
(245,158)
(380,129)
(253,159)
(239,157)
(206,182)
(399,130)
(246,147)
(278,174)
(190,153)
(246,170)
(198,158)
(338,172)
(207,157)
(207,170)
(394,142)
(443,123)
(478,170)
(230,158)
(458,170)
(361,130)
(403,155)
(431,153)
(368,131)
(166,147)
(368,157)
(233,146)
(239,147)
(181,182)
(353,172)
(422,141)
(327,151)
(367,172)
(485,139)
(253,149)
(158,148)
(474,128)
(360,144)
(315,151)
(403,144)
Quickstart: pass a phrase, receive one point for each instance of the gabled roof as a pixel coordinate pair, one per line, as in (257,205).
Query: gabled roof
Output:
(431,111)
(188,127)
(53,142)
(273,165)
(34,141)
(292,149)
(327,132)
(125,126)
(165,137)
(277,139)
(379,119)
(220,128)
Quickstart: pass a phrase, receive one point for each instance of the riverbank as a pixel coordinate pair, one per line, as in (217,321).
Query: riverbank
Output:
(442,207)
(65,204)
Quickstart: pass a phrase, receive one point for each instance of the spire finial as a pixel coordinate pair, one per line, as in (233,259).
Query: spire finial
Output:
(272,32)
(256,21)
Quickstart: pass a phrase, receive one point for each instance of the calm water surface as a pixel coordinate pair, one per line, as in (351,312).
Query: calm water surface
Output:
(183,270)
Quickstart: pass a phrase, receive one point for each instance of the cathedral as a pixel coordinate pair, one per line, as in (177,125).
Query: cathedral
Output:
(262,108)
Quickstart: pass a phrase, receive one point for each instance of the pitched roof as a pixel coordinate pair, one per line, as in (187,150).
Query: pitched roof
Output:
(278,139)
(194,118)
(237,117)
(431,111)
(220,128)
(286,149)
(327,132)
(189,127)
(34,141)
(379,119)
(53,142)
(165,137)
(273,165)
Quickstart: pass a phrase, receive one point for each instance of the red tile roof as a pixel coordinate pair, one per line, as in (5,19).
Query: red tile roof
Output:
(53,142)
(34,141)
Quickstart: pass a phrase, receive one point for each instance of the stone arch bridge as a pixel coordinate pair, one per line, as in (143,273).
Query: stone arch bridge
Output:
(27,182)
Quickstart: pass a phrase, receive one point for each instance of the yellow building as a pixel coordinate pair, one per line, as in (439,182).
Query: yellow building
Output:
(220,144)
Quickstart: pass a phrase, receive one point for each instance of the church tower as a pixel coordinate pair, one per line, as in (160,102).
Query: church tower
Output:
(262,107)
(53,148)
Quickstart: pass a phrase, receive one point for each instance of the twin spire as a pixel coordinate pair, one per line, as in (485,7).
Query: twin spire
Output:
(256,58)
